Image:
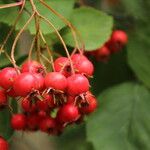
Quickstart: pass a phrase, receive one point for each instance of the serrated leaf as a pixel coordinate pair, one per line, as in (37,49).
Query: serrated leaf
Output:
(122,120)
(94,27)
(64,7)
(139,54)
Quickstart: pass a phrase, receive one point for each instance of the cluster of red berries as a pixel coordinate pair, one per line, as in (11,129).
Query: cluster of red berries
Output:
(49,101)
(118,39)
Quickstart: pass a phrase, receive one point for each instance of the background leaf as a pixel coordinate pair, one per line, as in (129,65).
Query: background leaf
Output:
(94,27)
(139,53)
(64,7)
(5,115)
(122,120)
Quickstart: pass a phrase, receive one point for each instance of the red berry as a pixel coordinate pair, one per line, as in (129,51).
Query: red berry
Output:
(102,54)
(90,106)
(24,84)
(120,37)
(7,77)
(77,84)
(33,67)
(18,122)
(62,65)
(68,113)
(28,106)
(56,80)
(50,100)
(42,114)
(33,122)
(3,144)
(78,57)
(47,125)
(3,99)
(70,99)
(84,66)
(39,82)
(42,105)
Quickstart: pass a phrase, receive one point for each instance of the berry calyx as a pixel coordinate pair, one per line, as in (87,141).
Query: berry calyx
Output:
(62,65)
(50,100)
(90,105)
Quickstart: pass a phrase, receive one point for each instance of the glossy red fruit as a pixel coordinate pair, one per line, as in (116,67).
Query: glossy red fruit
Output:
(28,106)
(33,122)
(7,77)
(84,66)
(47,125)
(42,105)
(70,99)
(120,37)
(68,113)
(33,67)
(78,57)
(3,99)
(77,84)
(24,84)
(56,80)
(62,65)
(91,104)
(18,122)
(39,82)
(42,114)
(3,144)
(102,54)
(50,100)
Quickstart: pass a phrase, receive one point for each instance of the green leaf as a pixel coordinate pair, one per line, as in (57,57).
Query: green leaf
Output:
(134,8)
(73,138)
(5,62)
(64,7)
(94,27)
(139,53)
(5,116)
(122,120)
